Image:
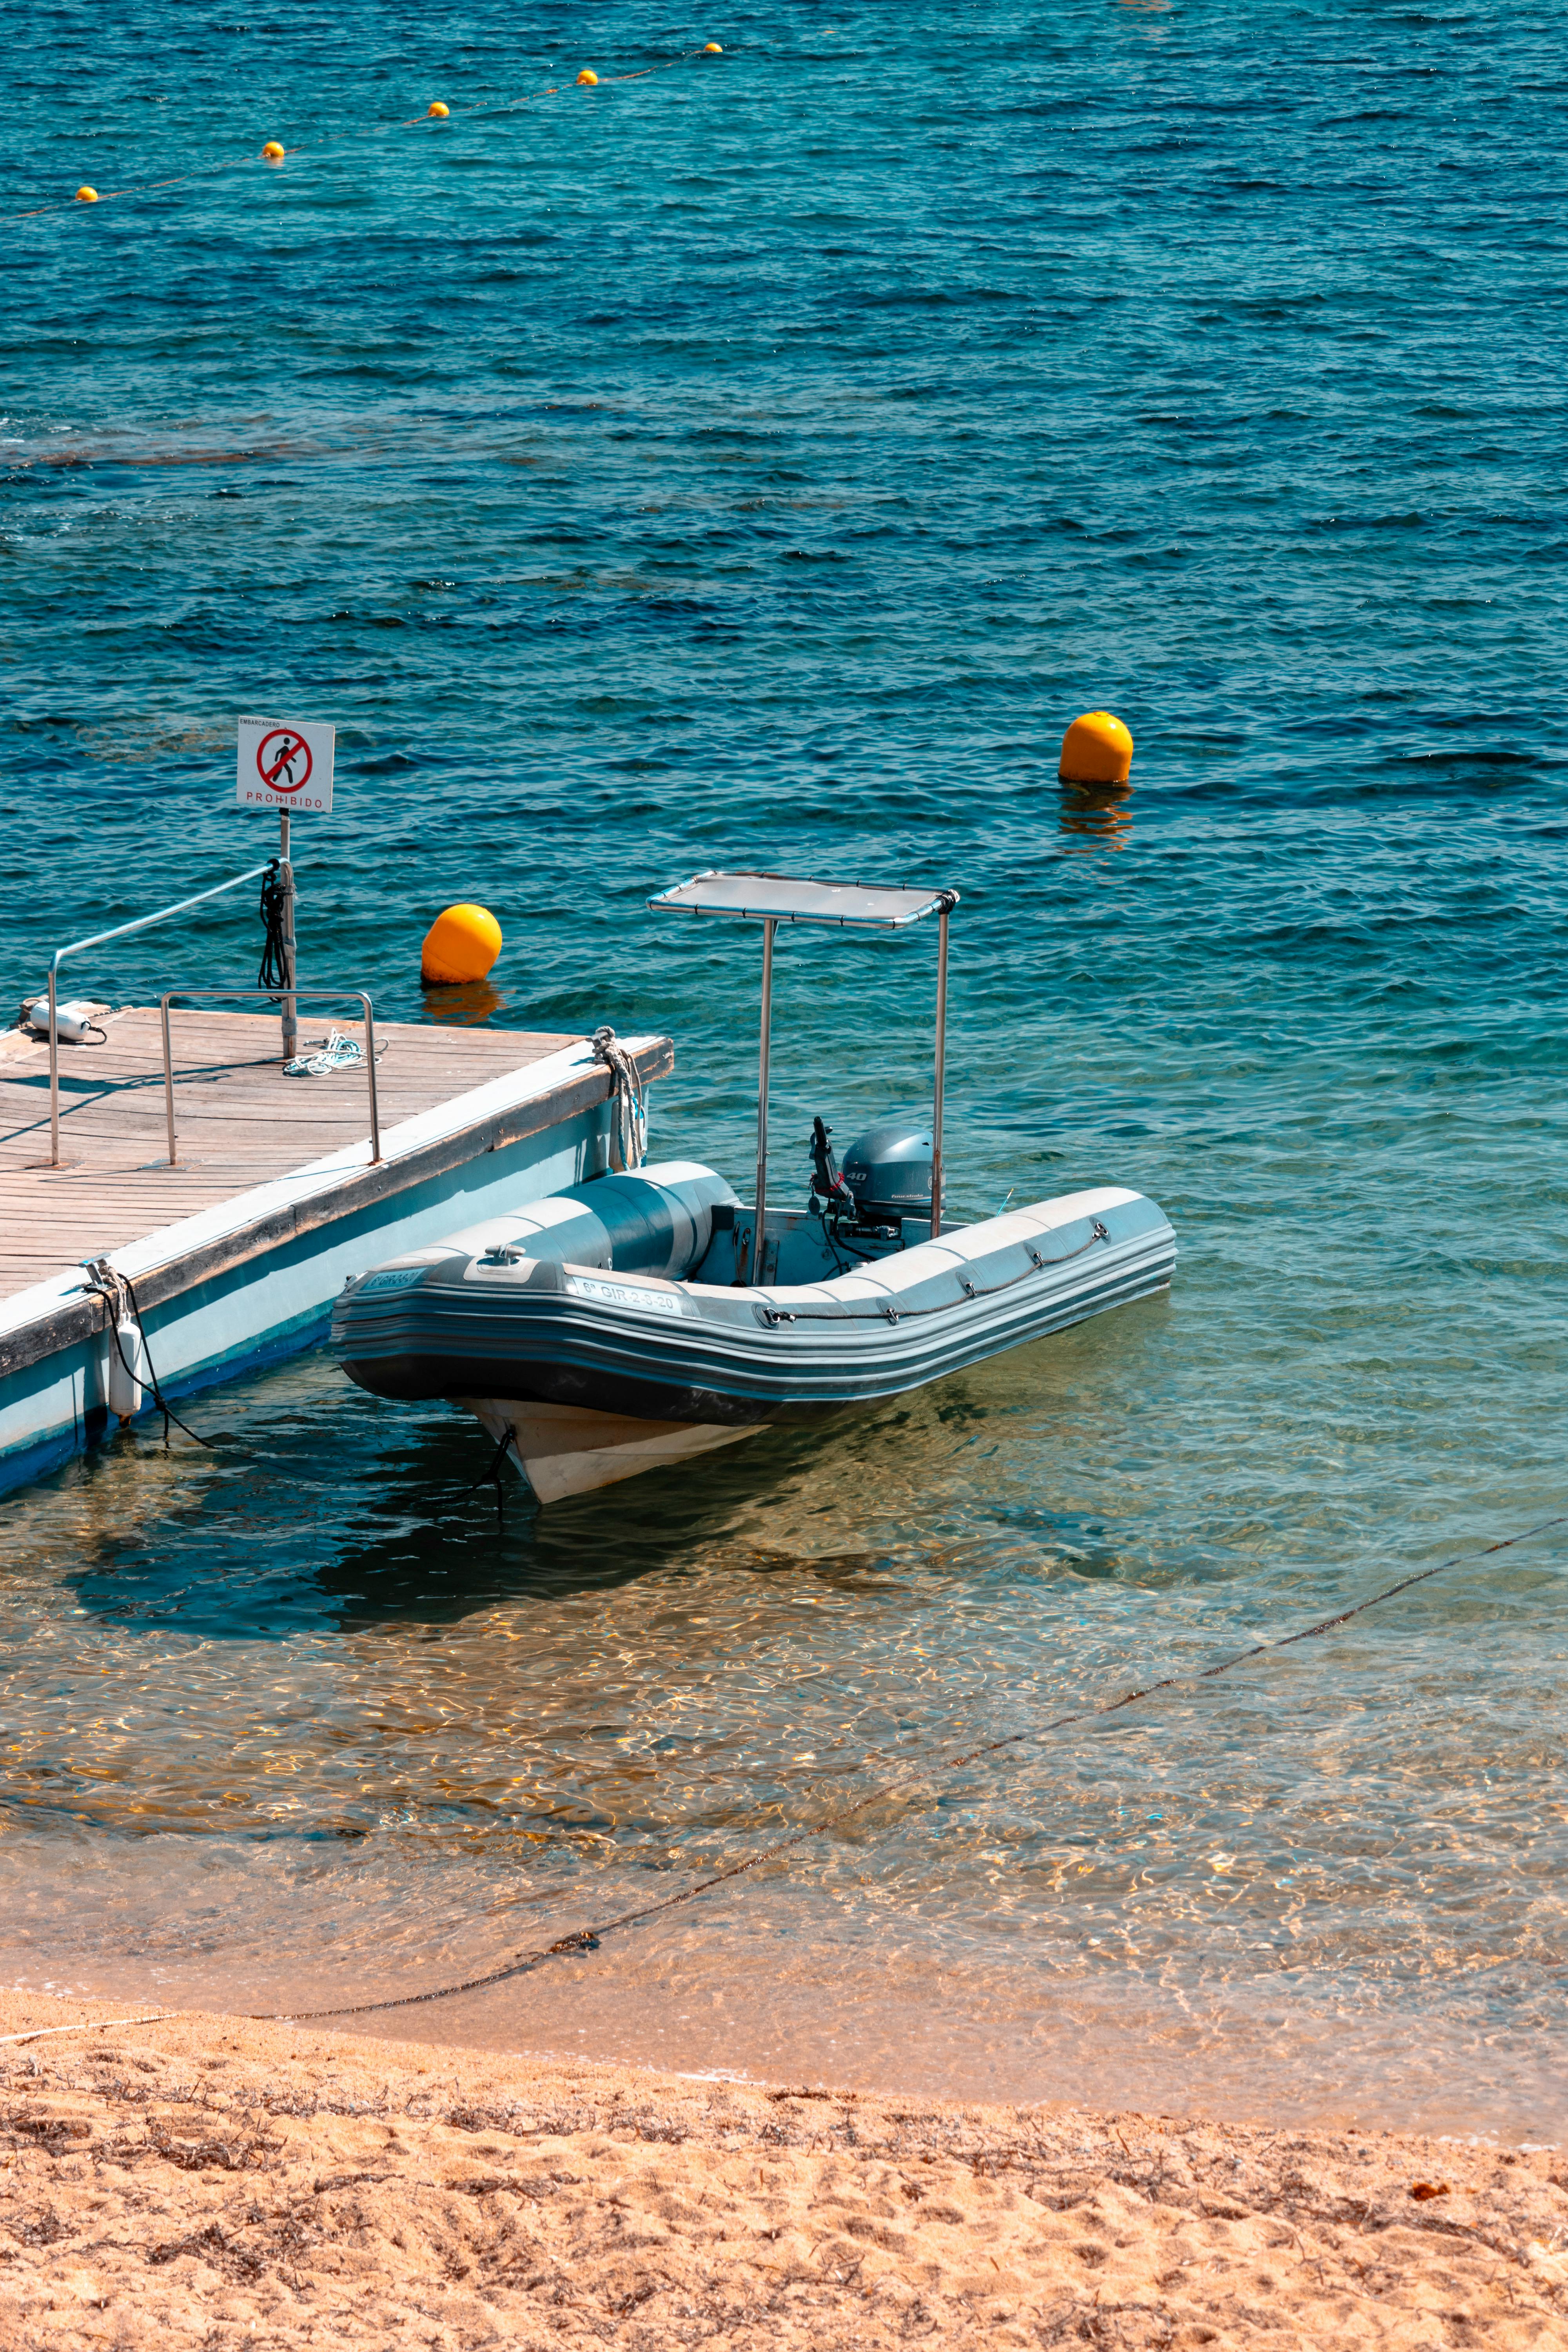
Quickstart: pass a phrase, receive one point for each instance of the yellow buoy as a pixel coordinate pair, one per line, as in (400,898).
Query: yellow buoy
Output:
(460,945)
(587,78)
(274,151)
(711,50)
(1095,750)
(439,110)
(85,195)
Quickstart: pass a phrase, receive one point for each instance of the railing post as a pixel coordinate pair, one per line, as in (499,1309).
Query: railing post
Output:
(370,1066)
(100,938)
(318,995)
(54,1074)
(168,1076)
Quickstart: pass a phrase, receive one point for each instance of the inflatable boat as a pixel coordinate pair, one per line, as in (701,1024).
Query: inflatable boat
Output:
(648,1315)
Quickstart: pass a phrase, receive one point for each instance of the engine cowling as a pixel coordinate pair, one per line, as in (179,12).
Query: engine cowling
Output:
(888,1169)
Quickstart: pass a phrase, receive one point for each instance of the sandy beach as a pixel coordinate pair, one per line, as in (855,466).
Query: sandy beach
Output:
(207,2180)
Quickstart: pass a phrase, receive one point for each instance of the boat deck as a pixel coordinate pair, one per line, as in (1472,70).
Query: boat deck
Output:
(239,1121)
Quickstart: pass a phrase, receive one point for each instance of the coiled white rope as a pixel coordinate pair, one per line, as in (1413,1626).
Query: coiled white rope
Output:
(339,1053)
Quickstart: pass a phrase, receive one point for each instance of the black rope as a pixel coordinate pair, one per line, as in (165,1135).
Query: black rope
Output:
(275,890)
(102,1280)
(492,1476)
(586,1939)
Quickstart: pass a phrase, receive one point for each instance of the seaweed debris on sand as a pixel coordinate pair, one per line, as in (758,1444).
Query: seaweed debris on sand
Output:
(211,2180)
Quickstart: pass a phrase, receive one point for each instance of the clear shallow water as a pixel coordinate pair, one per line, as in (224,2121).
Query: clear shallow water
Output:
(763,462)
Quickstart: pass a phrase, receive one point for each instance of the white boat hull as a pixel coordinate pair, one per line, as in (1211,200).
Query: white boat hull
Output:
(564,1449)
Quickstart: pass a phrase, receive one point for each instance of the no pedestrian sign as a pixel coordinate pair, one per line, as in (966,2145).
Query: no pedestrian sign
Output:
(284,763)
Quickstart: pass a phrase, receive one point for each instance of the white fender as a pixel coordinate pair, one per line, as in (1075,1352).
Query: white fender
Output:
(73,1021)
(126,1377)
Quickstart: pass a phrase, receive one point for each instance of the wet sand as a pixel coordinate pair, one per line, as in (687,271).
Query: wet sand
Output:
(206,2180)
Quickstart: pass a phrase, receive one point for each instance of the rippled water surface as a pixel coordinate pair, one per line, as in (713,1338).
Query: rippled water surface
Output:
(761,461)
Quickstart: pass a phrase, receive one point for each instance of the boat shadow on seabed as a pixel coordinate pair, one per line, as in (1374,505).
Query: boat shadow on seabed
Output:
(457,1551)
(776,1505)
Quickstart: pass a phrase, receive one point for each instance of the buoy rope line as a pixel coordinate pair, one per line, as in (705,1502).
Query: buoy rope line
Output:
(275,152)
(587,1939)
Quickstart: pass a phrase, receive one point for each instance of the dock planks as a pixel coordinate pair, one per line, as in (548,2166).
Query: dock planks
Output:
(240,1121)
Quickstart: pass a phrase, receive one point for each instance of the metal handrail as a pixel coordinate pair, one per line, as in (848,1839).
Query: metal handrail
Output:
(120,931)
(318,995)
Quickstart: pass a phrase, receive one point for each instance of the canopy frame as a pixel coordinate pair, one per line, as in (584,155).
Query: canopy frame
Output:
(774,898)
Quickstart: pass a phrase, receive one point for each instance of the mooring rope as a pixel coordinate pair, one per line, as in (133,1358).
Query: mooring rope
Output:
(587,1939)
(491,1476)
(628,1104)
(277,888)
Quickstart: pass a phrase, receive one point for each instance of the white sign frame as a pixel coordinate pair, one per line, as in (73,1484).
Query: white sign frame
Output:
(285,763)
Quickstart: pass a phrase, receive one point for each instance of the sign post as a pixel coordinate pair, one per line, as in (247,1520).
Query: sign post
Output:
(286,764)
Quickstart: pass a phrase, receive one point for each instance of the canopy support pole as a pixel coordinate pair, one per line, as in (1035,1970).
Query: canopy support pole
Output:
(941,1073)
(769,926)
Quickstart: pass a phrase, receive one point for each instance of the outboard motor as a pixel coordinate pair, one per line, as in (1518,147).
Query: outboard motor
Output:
(887,1169)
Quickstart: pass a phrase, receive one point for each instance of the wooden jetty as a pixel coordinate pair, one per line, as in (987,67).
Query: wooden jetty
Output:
(236,1252)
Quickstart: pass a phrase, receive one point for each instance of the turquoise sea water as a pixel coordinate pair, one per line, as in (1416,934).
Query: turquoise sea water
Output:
(761,461)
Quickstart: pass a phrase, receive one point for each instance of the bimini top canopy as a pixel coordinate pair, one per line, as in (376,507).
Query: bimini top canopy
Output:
(784,899)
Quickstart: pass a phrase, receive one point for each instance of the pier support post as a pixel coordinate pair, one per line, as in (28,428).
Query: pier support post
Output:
(286,876)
